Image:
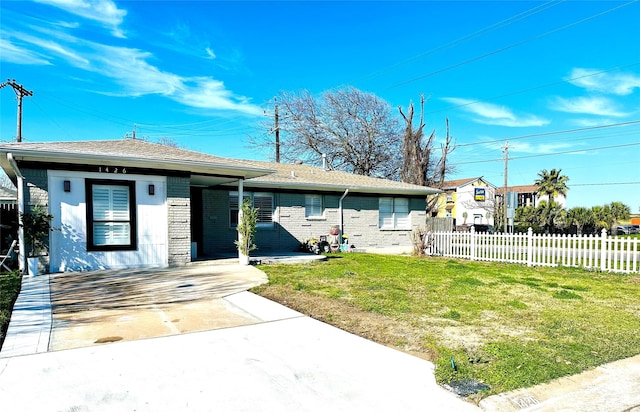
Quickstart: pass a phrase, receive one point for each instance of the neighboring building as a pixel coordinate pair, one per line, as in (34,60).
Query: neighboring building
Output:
(8,195)
(130,203)
(8,217)
(473,196)
(526,195)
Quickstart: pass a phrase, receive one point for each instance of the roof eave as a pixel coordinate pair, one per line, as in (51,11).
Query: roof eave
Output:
(240,171)
(341,188)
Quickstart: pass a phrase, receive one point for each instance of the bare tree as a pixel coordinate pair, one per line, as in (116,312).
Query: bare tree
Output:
(5,181)
(354,129)
(168,141)
(420,164)
(416,153)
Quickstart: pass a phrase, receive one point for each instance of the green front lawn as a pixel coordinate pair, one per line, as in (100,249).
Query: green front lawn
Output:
(506,325)
(9,288)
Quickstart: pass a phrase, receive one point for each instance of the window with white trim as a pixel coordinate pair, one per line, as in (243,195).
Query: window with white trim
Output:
(393,213)
(111,217)
(259,200)
(313,206)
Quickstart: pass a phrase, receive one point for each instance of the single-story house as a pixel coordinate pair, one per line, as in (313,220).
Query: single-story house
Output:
(131,203)
(468,201)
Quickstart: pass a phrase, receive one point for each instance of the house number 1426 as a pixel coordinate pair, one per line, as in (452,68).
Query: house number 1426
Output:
(106,169)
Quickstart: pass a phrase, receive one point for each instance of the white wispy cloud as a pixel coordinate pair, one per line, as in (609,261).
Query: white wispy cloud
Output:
(131,69)
(210,53)
(493,114)
(12,53)
(205,92)
(122,71)
(593,122)
(52,46)
(593,105)
(541,148)
(104,12)
(620,84)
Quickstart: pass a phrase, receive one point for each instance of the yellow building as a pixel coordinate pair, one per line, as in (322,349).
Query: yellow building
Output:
(468,201)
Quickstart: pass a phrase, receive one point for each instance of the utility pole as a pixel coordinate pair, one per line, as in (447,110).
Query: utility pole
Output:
(276,128)
(277,131)
(506,170)
(131,135)
(20,93)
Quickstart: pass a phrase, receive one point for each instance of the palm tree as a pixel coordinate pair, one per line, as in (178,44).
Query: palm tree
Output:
(548,213)
(551,183)
(580,216)
(619,211)
(603,218)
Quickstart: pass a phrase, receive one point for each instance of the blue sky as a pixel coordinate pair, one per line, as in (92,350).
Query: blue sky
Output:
(558,80)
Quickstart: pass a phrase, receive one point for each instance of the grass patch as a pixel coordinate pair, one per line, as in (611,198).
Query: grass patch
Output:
(565,294)
(517,304)
(452,314)
(508,326)
(9,289)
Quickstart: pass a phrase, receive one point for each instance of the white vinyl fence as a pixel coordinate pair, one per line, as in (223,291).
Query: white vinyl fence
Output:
(607,253)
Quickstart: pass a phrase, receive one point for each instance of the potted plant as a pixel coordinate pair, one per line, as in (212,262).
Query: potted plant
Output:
(246,231)
(36,225)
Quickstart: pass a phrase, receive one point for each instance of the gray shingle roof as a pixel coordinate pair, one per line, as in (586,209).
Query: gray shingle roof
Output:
(130,153)
(124,148)
(299,176)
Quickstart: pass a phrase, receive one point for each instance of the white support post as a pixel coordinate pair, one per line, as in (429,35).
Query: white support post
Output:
(530,247)
(241,257)
(22,257)
(603,250)
(472,242)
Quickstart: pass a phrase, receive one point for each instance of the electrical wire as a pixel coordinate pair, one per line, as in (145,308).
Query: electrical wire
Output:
(548,154)
(468,37)
(605,184)
(532,88)
(513,45)
(554,133)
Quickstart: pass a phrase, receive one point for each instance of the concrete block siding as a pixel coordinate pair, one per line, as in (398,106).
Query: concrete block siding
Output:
(179,215)
(291,227)
(36,191)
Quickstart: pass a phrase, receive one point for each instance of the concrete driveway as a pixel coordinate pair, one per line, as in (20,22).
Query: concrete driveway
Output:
(119,305)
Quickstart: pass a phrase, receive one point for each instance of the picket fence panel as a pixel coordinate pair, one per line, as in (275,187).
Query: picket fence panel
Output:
(603,252)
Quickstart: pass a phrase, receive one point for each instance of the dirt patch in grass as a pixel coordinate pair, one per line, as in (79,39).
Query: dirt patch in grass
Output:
(412,337)
(381,329)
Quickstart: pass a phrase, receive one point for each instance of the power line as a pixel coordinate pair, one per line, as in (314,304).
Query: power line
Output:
(513,45)
(605,184)
(542,86)
(582,129)
(552,154)
(453,43)
(99,115)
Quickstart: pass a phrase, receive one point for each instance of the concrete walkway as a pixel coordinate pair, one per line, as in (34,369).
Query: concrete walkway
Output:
(31,319)
(607,388)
